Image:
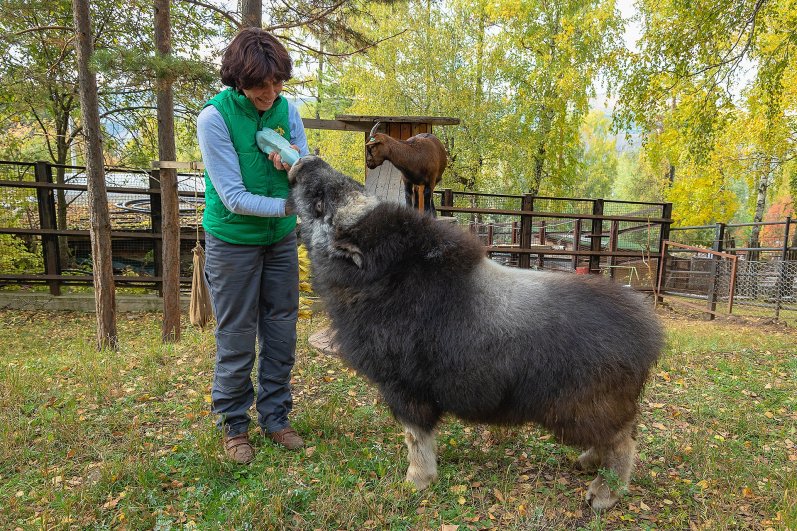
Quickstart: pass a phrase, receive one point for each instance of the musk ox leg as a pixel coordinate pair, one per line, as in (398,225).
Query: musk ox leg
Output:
(422,455)
(618,460)
(589,461)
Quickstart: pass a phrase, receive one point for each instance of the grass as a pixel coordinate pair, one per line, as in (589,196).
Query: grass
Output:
(124,440)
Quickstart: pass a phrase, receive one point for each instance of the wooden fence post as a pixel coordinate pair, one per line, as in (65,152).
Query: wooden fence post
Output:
(47,220)
(664,234)
(597,237)
(156,220)
(541,239)
(719,240)
(576,242)
(447,200)
(614,235)
(526,205)
(783,277)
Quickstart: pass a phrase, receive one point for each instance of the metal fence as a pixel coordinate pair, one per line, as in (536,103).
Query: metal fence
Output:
(764,281)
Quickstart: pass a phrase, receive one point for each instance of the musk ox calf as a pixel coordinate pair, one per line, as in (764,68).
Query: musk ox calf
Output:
(420,311)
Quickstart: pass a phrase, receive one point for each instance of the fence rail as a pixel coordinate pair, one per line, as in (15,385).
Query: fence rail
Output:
(573,234)
(44,228)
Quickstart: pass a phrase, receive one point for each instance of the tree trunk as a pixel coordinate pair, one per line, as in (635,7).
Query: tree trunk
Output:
(539,168)
(168,176)
(252,13)
(100,225)
(758,216)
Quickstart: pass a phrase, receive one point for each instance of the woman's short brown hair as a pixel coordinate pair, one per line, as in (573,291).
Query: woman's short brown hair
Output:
(253,58)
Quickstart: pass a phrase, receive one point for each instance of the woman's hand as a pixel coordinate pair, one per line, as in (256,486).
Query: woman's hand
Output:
(277,160)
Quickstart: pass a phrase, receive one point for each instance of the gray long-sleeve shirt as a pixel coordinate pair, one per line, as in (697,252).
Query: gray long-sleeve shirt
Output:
(221,163)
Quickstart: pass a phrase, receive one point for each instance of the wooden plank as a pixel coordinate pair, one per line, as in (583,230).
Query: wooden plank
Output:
(372,180)
(87,278)
(540,214)
(82,188)
(567,252)
(336,125)
(143,235)
(384,182)
(383,186)
(396,190)
(432,120)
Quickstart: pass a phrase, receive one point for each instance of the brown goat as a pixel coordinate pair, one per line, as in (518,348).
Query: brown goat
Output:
(421,160)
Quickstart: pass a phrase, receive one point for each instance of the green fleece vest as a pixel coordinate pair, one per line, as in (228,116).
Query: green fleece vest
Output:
(260,177)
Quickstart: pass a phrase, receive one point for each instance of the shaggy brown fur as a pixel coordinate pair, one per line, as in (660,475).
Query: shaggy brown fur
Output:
(439,328)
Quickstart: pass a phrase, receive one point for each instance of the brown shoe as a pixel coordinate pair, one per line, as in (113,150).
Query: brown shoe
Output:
(288,438)
(239,449)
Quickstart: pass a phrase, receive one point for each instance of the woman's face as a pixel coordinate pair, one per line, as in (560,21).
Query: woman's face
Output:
(263,97)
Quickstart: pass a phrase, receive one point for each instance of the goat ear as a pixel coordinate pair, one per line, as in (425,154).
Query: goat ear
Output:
(350,251)
(373,140)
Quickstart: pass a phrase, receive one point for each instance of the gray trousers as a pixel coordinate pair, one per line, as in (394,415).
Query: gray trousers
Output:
(255,293)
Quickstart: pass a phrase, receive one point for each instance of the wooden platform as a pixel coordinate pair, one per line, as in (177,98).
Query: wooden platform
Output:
(384,182)
(324,341)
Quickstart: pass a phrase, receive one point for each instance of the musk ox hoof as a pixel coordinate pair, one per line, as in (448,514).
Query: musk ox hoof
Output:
(420,479)
(589,461)
(600,496)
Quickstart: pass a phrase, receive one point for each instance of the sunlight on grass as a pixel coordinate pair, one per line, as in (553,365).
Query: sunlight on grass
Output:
(124,440)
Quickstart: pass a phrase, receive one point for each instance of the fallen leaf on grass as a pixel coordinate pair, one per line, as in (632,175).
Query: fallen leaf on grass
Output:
(113,502)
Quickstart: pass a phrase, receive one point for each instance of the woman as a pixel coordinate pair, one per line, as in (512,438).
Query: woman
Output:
(251,257)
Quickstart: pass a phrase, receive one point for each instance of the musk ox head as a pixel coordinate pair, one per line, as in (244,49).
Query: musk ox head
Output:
(327,202)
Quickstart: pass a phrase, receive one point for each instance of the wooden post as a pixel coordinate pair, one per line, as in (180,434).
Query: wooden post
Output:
(719,239)
(47,220)
(597,235)
(614,234)
(664,235)
(447,200)
(576,241)
(526,205)
(156,220)
(783,277)
(540,257)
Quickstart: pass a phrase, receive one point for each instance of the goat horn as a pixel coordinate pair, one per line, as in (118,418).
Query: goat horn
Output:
(373,130)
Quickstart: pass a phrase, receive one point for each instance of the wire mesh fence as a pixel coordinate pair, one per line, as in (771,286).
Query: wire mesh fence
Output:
(739,281)
(45,221)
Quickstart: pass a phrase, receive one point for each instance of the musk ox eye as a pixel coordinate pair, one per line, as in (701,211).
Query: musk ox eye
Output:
(319,208)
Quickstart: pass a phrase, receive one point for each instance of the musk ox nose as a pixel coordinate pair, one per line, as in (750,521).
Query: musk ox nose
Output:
(302,167)
(293,173)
